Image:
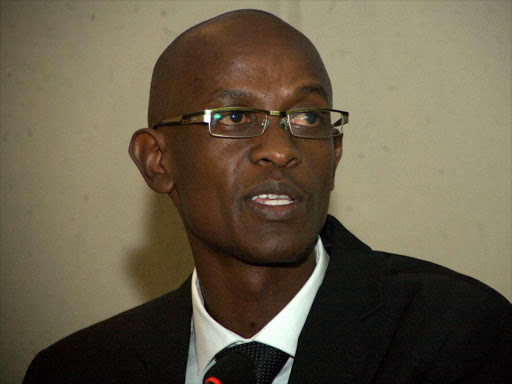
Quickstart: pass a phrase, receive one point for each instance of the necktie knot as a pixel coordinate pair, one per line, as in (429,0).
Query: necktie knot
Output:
(266,362)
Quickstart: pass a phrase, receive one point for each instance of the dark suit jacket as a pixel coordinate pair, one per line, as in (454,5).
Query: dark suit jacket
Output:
(377,318)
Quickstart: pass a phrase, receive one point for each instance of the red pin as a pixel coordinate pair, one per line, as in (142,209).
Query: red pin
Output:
(212,380)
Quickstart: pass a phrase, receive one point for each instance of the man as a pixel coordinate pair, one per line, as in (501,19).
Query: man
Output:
(272,268)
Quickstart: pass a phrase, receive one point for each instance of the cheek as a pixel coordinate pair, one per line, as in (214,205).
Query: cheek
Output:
(206,182)
(321,161)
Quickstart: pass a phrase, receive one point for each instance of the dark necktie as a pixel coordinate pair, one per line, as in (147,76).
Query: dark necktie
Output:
(266,361)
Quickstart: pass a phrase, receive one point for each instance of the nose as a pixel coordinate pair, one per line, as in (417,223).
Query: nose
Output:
(277,146)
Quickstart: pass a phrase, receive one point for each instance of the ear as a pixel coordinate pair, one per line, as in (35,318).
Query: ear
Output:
(338,152)
(148,151)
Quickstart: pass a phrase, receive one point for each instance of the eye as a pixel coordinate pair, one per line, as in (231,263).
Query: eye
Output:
(231,117)
(308,118)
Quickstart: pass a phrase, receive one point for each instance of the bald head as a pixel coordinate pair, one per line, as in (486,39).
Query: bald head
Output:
(206,51)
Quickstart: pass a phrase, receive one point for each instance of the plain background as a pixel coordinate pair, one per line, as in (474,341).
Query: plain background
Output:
(426,169)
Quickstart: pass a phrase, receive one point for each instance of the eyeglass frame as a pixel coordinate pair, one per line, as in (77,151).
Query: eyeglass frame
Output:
(205,117)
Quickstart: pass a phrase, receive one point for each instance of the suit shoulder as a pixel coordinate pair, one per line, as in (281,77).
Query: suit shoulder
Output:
(126,324)
(438,292)
(111,348)
(444,320)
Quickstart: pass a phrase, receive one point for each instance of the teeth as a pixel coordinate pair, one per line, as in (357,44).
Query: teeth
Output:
(276,202)
(272,199)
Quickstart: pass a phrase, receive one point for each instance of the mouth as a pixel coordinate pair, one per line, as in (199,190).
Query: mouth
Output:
(276,201)
(272,199)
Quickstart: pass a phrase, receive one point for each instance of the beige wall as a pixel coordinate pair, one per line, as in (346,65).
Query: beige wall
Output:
(426,169)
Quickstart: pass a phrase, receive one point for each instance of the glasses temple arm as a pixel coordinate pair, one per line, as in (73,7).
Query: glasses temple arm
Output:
(184,119)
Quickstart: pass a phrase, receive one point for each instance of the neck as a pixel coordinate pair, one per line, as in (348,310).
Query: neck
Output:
(244,297)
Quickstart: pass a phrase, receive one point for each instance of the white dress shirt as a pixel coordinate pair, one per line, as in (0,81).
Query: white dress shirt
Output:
(207,337)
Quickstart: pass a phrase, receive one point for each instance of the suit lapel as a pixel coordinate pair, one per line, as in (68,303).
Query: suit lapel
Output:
(164,341)
(333,345)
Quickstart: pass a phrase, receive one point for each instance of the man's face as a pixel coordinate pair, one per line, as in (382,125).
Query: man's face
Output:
(222,185)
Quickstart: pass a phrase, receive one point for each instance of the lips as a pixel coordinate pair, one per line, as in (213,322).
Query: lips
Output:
(274,200)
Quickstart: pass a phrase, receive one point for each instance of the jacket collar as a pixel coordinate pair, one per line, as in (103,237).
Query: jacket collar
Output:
(351,283)
(163,339)
(350,293)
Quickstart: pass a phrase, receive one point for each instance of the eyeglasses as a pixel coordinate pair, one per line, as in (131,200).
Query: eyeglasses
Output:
(240,122)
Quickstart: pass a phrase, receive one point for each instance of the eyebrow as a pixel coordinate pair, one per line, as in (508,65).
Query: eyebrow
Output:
(229,94)
(224,94)
(314,89)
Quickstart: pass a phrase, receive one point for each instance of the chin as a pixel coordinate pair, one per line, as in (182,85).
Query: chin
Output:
(281,255)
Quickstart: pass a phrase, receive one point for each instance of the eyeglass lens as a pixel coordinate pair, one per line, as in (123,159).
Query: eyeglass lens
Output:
(306,124)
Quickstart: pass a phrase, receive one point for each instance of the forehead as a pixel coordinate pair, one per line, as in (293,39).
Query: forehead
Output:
(269,67)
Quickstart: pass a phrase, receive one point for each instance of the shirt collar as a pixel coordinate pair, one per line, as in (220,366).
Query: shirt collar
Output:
(281,332)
